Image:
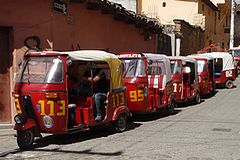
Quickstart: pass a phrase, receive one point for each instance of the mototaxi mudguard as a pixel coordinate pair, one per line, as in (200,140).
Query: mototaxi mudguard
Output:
(30,123)
(120,110)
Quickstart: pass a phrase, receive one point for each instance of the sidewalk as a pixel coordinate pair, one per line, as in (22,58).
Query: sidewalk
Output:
(7,130)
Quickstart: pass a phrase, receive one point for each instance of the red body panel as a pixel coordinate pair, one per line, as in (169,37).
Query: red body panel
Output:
(206,83)
(178,87)
(28,124)
(137,101)
(226,75)
(56,108)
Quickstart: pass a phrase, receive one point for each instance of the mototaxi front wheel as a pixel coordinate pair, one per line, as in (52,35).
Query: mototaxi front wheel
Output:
(25,139)
(197,99)
(171,108)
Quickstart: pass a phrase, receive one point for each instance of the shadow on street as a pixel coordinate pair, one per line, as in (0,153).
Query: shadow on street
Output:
(154,115)
(71,138)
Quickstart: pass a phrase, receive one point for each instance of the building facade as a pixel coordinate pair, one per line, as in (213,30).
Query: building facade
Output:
(64,26)
(198,13)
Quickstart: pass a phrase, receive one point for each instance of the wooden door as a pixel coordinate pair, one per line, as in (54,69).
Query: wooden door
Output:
(5,64)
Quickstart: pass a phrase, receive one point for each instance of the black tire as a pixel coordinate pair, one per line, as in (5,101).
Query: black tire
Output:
(120,124)
(197,99)
(229,84)
(171,108)
(214,89)
(25,139)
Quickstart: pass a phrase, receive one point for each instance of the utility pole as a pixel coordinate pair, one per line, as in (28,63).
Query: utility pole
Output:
(232,24)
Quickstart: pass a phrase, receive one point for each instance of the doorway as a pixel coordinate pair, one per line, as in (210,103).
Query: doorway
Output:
(5,81)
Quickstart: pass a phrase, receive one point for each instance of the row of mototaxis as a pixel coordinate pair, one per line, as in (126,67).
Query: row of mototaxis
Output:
(63,92)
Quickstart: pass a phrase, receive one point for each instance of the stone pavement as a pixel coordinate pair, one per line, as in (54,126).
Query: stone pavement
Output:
(6,129)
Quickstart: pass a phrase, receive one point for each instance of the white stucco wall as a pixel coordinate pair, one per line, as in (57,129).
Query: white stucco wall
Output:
(128,4)
(218,1)
(174,9)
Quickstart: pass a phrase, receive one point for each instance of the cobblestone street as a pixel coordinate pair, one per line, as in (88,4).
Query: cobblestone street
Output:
(208,131)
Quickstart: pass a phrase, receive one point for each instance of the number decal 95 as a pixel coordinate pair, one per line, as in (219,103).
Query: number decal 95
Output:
(136,95)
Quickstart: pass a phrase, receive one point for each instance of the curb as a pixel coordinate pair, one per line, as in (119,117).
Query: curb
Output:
(6,126)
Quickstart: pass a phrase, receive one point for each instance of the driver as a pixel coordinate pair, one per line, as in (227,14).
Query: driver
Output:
(99,83)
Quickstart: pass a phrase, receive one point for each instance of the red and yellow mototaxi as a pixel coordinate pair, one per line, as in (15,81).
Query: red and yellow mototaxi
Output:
(206,73)
(44,100)
(147,78)
(185,79)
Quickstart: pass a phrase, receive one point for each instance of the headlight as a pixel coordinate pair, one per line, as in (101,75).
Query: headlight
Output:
(19,119)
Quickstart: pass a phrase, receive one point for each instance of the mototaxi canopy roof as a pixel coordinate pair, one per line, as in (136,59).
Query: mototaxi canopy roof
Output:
(164,59)
(227,59)
(97,56)
(202,56)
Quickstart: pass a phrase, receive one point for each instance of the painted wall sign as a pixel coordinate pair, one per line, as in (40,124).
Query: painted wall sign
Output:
(60,6)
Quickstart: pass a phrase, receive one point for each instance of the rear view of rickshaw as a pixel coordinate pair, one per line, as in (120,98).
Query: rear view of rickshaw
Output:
(206,73)
(147,78)
(224,73)
(56,93)
(235,52)
(185,79)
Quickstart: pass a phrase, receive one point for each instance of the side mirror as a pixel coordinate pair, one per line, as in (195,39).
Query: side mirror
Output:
(186,69)
(69,62)
(69,66)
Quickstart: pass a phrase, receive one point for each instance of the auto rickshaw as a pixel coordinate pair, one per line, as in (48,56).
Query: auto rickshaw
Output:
(235,52)
(147,78)
(185,79)
(45,100)
(205,73)
(225,72)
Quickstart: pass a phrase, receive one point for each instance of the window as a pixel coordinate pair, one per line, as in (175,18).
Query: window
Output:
(153,69)
(133,68)
(202,66)
(164,4)
(157,68)
(236,53)
(42,70)
(176,67)
(218,65)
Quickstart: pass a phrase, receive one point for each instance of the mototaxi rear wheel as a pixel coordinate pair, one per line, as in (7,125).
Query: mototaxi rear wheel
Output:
(120,124)
(229,84)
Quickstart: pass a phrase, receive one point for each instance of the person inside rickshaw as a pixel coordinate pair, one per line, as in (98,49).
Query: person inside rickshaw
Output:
(96,77)
(89,80)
